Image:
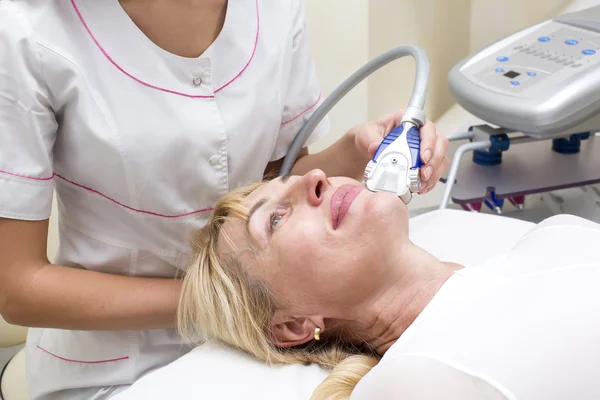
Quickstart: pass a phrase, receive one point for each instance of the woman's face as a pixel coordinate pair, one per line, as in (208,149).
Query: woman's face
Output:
(323,245)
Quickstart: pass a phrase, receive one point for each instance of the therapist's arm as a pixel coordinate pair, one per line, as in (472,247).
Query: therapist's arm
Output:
(340,159)
(36,293)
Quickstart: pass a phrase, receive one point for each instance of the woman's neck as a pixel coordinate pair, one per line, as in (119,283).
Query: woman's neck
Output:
(184,27)
(395,309)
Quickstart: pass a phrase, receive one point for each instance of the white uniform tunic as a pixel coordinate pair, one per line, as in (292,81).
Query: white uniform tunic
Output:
(523,326)
(139,144)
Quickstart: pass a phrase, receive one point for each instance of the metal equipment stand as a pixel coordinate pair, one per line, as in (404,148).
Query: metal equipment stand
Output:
(530,166)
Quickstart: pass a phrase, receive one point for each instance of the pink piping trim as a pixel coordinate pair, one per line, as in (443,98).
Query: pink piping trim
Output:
(251,56)
(108,198)
(83,362)
(85,25)
(26,177)
(128,207)
(303,112)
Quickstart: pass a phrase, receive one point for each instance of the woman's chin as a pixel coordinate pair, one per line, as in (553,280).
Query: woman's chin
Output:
(376,212)
(386,206)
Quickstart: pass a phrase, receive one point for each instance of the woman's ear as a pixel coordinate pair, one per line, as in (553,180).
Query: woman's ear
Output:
(287,331)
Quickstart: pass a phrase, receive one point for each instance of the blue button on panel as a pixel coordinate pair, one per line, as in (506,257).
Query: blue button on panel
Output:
(499,69)
(589,52)
(515,83)
(502,58)
(531,73)
(544,39)
(571,42)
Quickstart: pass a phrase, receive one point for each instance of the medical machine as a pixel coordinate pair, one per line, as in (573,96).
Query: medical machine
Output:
(540,83)
(536,85)
(396,162)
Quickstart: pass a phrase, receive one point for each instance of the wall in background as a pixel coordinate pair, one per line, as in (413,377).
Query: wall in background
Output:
(492,20)
(441,28)
(339,32)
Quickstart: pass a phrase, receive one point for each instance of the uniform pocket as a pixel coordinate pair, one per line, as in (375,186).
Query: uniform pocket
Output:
(88,347)
(65,360)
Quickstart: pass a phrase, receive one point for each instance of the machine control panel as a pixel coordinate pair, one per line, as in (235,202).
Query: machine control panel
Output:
(531,60)
(543,80)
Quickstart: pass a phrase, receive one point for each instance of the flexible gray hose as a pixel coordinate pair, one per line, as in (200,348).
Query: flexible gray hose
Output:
(460,136)
(417,98)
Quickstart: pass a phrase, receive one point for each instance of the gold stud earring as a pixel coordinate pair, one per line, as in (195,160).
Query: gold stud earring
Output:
(317,333)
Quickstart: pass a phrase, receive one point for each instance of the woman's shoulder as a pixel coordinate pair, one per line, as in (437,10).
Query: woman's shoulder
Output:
(411,376)
(14,21)
(19,46)
(569,230)
(559,243)
(568,220)
(36,22)
(30,13)
(284,13)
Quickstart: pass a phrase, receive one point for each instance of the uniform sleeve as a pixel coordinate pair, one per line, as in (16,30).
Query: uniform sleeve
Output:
(302,94)
(27,123)
(416,377)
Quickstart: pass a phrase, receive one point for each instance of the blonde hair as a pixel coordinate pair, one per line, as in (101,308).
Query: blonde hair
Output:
(221,301)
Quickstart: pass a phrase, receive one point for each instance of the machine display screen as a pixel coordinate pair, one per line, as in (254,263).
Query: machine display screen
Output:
(512,74)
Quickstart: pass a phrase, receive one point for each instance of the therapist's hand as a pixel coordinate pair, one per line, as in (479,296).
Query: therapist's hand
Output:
(434,145)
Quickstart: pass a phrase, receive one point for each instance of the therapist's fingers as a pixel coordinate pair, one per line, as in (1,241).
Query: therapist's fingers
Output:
(438,163)
(432,157)
(428,185)
(373,148)
(367,137)
(428,135)
(391,120)
(370,134)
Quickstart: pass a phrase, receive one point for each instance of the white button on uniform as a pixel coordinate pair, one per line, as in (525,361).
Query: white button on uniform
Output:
(197,81)
(213,160)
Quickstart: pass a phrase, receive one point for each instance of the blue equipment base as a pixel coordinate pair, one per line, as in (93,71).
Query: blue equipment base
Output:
(570,145)
(526,169)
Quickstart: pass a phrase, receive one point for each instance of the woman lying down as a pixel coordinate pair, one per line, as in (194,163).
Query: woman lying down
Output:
(319,270)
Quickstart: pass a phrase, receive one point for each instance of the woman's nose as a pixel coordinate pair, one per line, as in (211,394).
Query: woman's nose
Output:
(314,185)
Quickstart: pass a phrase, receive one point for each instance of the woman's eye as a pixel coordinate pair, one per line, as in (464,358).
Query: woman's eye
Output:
(275,220)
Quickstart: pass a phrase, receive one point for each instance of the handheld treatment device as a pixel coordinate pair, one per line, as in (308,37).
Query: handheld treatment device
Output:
(396,163)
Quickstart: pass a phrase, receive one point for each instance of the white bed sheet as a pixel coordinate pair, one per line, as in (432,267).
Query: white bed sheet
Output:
(214,371)
(463,237)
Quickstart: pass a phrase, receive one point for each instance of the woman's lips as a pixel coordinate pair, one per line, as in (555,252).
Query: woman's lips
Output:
(341,201)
